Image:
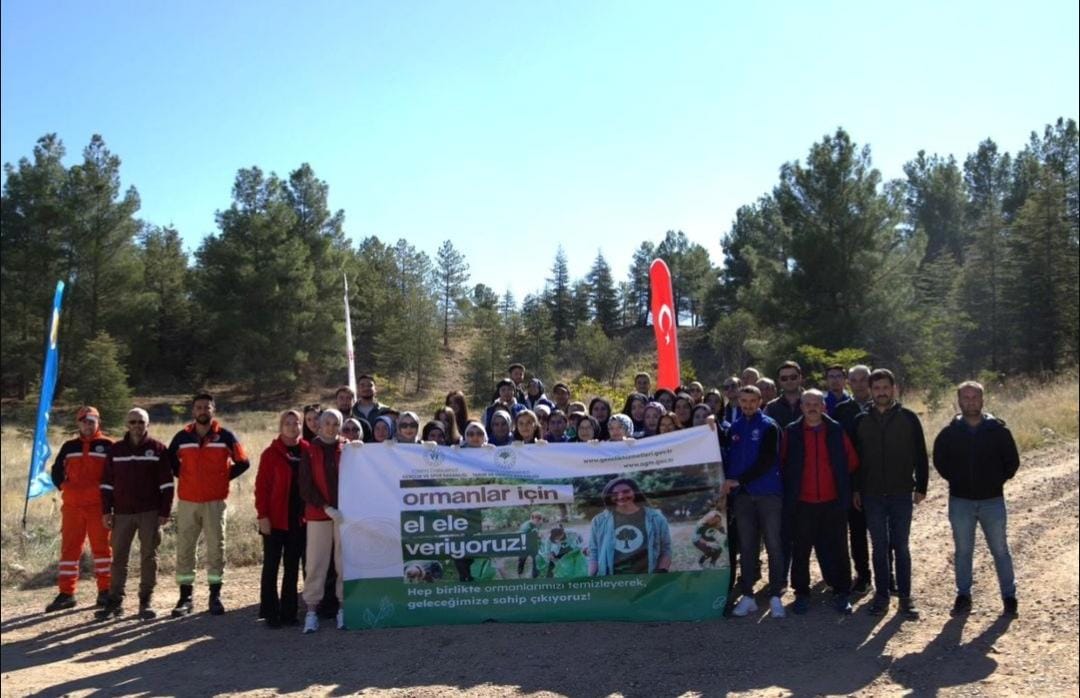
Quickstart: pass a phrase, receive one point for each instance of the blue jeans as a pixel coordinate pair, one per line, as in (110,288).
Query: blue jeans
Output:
(990,514)
(888,519)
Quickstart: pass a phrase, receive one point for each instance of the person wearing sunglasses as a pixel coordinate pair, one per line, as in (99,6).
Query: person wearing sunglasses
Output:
(475,436)
(351,430)
(136,498)
(408,428)
(77,473)
(786,408)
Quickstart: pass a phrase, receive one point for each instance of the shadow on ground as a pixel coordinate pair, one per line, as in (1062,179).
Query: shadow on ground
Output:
(815,654)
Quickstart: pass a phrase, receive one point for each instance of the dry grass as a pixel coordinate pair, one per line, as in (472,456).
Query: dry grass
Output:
(1038,414)
(29,558)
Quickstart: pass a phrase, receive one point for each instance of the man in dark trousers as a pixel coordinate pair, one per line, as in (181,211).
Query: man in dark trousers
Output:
(845,412)
(817,465)
(136,498)
(976,455)
(892,477)
(753,475)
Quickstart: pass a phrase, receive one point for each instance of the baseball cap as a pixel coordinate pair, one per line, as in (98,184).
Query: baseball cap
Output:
(87,412)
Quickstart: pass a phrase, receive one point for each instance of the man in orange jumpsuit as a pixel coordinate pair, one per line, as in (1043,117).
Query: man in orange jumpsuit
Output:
(77,474)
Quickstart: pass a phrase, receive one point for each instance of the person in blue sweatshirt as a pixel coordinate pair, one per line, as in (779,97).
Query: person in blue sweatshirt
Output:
(753,475)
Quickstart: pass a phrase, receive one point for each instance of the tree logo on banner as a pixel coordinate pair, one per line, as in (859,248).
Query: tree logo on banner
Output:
(505,458)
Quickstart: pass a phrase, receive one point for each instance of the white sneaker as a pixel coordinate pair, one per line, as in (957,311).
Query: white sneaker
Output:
(311,622)
(341,619)
(745,607)
(776,608)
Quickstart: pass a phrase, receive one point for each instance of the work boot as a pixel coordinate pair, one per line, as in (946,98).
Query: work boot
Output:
(145,611)
(183,606)
(112,609)
(216,607)
(102,599)
(61,602)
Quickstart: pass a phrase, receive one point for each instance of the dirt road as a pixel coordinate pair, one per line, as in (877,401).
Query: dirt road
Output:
(820,653)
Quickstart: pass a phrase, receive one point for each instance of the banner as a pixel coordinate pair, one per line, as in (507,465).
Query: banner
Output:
(629,530)
(39,480)
(665,316)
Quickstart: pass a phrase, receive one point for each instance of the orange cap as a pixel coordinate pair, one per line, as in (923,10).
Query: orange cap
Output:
(87,412)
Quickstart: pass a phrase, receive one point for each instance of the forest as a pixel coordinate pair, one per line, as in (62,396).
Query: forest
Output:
(965,267)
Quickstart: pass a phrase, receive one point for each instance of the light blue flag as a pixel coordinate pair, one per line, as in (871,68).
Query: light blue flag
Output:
(40,480)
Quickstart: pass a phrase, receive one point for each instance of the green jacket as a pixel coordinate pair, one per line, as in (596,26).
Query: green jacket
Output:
(892,452)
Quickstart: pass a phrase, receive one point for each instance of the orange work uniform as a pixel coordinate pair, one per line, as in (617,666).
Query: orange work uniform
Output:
(77,473)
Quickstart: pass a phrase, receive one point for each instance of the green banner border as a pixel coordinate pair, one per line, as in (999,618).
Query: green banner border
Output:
(675,596)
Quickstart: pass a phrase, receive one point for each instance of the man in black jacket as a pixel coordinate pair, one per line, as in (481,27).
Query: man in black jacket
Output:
(891,479)
(976,455)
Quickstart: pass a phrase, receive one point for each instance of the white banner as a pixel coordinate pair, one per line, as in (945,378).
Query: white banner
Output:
(372,497)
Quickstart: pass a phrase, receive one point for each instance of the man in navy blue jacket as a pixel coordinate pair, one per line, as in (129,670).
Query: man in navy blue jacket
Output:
(976,455)
(753,474)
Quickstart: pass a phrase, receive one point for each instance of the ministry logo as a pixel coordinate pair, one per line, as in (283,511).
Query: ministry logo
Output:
(435,457)
(505,457)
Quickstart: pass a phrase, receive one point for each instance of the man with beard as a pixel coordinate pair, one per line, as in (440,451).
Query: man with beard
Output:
(367,408)
(205,457)
(893,476)
(976,454)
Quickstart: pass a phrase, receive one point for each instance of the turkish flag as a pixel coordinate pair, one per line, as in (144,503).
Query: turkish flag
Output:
(663,313)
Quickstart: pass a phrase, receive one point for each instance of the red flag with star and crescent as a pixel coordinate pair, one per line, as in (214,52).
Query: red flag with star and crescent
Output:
(663,313)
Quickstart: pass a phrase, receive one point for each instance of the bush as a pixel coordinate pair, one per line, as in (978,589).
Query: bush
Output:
(99,379)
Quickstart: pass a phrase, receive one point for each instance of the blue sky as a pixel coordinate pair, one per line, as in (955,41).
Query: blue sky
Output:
(513,127)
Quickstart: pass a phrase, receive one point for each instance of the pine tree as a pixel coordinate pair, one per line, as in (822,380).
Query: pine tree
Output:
(640,288)
(843,250)
(604,300)
(255,290)
(98,378)
(100,242)
(986,174)
(452,272)
(33,218)
(161,350)
(558,299)
(535,344)
(322,232)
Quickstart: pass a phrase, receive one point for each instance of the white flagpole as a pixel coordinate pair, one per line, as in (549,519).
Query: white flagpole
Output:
(348,338)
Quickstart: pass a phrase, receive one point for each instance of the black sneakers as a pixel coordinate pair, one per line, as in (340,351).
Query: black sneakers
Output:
(61,602)
(908,608)
(962,606)
(1010,607)
(102,599)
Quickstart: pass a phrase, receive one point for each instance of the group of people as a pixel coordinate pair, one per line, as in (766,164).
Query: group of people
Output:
(806,470)
(819,470)
(113,491)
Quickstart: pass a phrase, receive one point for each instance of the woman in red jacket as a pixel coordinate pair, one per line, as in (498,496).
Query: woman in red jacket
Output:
(281,520)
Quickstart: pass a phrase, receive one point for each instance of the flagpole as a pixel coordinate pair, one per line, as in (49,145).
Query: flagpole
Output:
(349,338)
